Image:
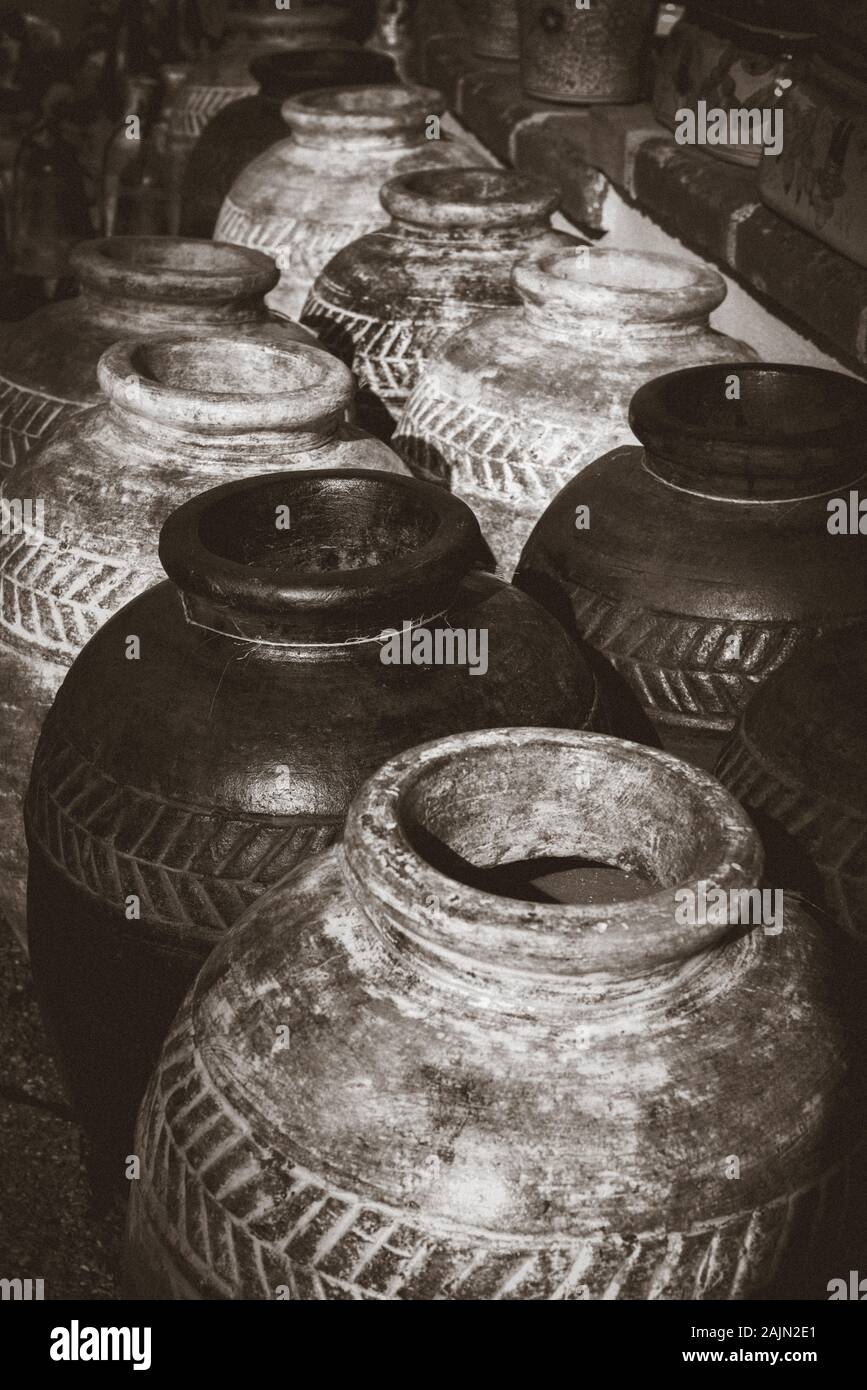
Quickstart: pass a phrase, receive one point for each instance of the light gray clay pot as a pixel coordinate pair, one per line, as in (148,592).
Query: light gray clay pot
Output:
(308,196)
(131,287)
(181,415)
(391,1083)
(509,410)
(386,302)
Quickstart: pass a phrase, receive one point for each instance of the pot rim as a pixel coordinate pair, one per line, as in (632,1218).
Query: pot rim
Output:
(226,271)
(628,286)
(474,196)
(371,112)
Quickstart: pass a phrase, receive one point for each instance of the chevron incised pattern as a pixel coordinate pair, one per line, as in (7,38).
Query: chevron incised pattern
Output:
(219,1212)
(834,838)
(199,105)
(477,451)
(55,597)
(383,354)
(27,418)
(300,246)
(190,867)
(684,665)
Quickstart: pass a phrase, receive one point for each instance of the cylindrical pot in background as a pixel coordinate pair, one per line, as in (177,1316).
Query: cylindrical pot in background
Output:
(307,197)
(181,414)
(508,411)
(130,287)
(246,127)
(818,178)
(598,53)
(701,563)
(263,694)
(386,302)
(798,763)
(725,70)
(390,1082)
(494,28)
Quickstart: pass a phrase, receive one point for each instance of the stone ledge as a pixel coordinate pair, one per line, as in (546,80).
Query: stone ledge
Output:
(711,206)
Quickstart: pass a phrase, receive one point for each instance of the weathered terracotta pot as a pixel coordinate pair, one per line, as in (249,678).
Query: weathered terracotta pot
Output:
(310,195)
(734,56)
(506,414)
(200,774)
(130,287)
(181,414)
(224,76)
(598,54)
(246,127)
(798,762)
(494,28)
(389,1083)
(388,301)
(819,180)
(706,560)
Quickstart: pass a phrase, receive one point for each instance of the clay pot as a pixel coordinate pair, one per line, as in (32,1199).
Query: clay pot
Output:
(130,287)
(601,53)
(506,414)
(307,197)
(797,763)
(182,414)
(548,1101)
(246,127)
(387,302)
(494,28)
(734,56)
(706,561)
(393,34)
(232,748)
(819,180)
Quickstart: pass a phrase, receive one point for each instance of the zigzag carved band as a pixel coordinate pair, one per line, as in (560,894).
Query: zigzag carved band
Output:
(300,246)
(26,418)
(191,868)
(383,354)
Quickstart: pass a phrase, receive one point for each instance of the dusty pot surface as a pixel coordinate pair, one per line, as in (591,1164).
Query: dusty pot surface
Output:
(819,179)
(307,197)
(599,53)
(798,763)
(182,415)
(507,412)
(727,59)
(480,1098)
(704,560)
(246,127)
(494,28)
(130,287)
(198,775)
(388,301)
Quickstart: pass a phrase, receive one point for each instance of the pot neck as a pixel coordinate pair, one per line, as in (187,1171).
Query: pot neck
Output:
(316,565)
(203,397)
(507,795)
(364,118)
(584,292)
(469,205)
(149,285)
(753,432)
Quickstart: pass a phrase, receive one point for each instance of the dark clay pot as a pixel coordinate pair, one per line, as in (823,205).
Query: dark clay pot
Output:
(706,560)
(181,414)
(494,28)
(130,287)
(798,763)
(201,773)
(245,128)
(601,53)
(390,1082)
(389,300)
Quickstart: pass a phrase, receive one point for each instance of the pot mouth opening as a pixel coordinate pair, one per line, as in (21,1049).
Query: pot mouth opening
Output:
(223,385)
(343,547)
(434,824)
(367,111)
(754,430)
(468,197)
(278,74)
(181,269)
(635,285)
